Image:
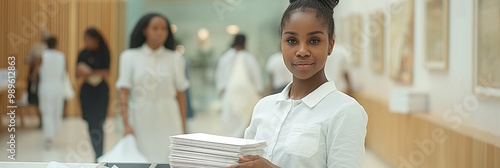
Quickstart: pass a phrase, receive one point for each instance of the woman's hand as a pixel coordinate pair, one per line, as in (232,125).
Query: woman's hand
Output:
(83,70)
(181,99)
(128,127)
(123,97)
(128,130)
(252,161)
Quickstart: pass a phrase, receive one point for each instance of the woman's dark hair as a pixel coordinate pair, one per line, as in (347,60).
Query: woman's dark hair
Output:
(51,42)
(323,8)
(137,38)
(94,33)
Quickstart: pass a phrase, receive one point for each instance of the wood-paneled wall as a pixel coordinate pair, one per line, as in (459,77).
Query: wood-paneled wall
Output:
(425,141)
(23,20)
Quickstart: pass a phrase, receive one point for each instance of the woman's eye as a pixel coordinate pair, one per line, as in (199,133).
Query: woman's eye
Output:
(315,41)
(291,41)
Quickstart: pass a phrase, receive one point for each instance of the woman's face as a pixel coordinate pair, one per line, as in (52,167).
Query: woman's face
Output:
(305,44)
(157,31)
(91,43)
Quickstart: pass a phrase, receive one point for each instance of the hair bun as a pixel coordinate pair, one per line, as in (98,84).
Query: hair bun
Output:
(331,4)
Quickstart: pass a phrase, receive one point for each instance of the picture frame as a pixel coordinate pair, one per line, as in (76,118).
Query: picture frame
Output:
(376,33)
(437,35)
(401,36)
(356,39)
(486,53)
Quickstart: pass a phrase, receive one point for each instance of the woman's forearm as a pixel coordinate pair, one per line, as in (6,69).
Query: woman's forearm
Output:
(102,72)
(181,98)
(124,94)
(82,70)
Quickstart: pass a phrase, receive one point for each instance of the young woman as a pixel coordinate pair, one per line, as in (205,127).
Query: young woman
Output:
(93,67)
(152,86)
(310,123)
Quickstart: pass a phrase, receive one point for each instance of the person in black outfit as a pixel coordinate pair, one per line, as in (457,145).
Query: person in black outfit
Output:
(93,67)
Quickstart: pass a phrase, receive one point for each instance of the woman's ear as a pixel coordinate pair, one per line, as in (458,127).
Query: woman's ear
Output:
(330,46)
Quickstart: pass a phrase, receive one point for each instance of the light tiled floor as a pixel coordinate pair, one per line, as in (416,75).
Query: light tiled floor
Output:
(73,144)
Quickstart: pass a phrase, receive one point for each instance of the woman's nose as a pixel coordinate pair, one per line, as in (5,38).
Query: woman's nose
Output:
(303,51)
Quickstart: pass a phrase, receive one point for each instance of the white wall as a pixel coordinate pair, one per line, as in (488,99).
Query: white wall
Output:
(450,92)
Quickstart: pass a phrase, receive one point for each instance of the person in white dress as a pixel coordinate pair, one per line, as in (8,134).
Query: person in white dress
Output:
(152,86)
(239,84)
(51,68)
(280,76)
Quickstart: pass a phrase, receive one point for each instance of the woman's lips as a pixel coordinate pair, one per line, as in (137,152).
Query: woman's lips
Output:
(303,65)
(159,40)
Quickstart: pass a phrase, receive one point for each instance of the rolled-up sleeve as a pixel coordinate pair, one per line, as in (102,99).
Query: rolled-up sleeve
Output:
(181,82)
(125,71)
(346,137)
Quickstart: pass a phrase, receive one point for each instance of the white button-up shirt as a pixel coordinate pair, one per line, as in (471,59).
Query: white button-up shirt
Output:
(324,129)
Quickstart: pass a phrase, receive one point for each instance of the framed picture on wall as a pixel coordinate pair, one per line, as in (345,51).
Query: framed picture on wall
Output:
(437,34)
(376,31)
(486,47)
(401,42)
(356,39)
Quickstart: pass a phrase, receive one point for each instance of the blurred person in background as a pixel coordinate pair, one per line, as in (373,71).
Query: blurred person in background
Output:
(226,63)
(51,70)
(280,76)
(32,91)
(152,86)
(337,68)
(239,85)
(93,68)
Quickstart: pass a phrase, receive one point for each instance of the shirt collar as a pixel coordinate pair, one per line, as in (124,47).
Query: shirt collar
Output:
(313,98)
(148,50)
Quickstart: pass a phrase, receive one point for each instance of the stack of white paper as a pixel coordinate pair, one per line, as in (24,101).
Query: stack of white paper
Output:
(205,150)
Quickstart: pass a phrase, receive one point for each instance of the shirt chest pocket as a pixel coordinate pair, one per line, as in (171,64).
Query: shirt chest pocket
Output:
(303,140)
